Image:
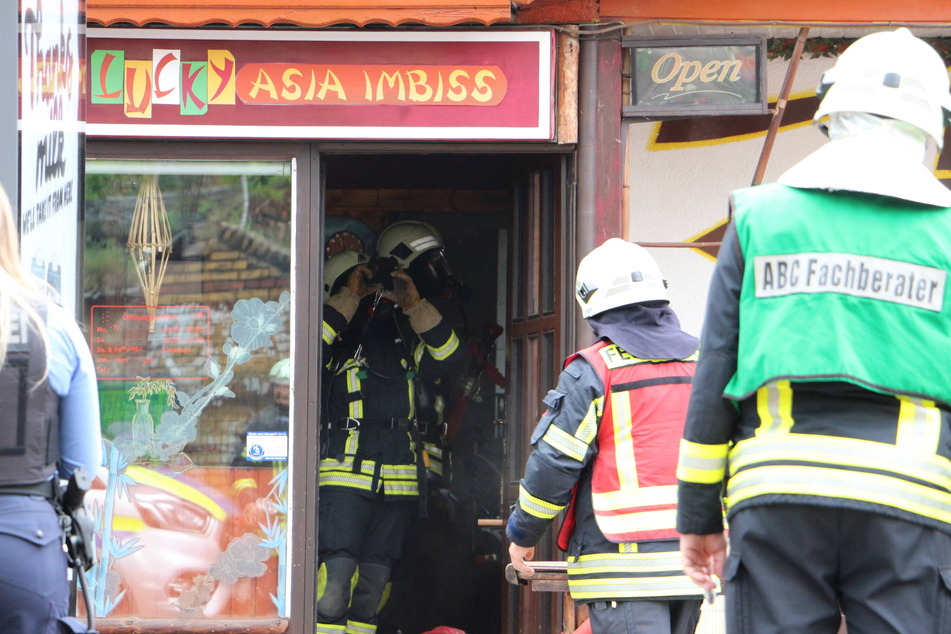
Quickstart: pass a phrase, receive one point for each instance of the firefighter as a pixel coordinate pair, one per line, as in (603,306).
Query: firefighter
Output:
(385,345)
(50,429)
(606,449)
(821,399)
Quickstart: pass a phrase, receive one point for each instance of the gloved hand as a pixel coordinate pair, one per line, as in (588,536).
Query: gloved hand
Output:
(357,282)
(347,299)
(404,291)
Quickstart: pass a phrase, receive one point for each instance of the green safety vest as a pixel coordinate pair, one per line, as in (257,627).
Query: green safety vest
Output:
(843,286)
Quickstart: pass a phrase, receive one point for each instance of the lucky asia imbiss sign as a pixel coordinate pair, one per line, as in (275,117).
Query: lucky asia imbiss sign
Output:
(321,85)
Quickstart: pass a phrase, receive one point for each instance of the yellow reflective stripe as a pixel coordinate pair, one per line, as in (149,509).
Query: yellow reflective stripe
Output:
(355,408)
(588,429)
(443,351)
(774,406)
(643,563)
(641,497)
(637,521)
(919,425)
(628,575)
(701,464)
(359,627)
(624,441)
(342,479)
(633,587)
(565,443)
(435,457)
(537,507)
(328,628)
(840,483)
(399,471)
(627,548)
(848,452)
(353,440)
(328,334)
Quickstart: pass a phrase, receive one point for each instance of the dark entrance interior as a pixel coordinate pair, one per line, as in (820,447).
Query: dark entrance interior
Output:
(453,562)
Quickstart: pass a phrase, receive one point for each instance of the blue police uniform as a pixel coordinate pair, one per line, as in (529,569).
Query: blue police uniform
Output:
(47,432)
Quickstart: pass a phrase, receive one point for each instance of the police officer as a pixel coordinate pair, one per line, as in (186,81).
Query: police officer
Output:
(385,345)
(606,449)
(821,398)
(50,427)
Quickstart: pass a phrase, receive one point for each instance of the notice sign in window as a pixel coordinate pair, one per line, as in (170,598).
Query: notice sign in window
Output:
(129,342)
(265,445)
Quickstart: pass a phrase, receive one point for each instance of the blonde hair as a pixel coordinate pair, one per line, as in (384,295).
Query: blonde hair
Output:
(18,293)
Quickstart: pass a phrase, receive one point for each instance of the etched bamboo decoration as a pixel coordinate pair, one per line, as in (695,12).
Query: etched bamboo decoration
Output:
(150,242)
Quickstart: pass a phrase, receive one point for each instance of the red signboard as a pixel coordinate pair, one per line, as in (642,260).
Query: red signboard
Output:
(485,85)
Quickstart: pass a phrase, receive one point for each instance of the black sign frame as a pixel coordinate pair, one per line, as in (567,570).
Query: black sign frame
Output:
(682,73)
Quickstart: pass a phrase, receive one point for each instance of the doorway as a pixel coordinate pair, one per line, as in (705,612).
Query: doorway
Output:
(500,217)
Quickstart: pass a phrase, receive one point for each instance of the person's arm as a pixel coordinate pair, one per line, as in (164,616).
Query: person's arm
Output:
(72,376)
(564,443)
(711,418)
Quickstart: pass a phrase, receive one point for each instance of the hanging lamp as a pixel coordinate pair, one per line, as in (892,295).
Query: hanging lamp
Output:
(150,242)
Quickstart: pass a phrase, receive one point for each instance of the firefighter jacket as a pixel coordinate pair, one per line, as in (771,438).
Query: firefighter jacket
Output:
(607,444)
(29,436)
(379,381)
(840,400)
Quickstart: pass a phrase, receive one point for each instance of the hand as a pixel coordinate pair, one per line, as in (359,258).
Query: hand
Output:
(519,555)
(702,557)
(357,282)
(404,291)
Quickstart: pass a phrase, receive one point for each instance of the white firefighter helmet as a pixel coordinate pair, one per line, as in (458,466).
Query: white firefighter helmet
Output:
(407,240)
(280,373)
(617,273)
(338,267)
(891,74)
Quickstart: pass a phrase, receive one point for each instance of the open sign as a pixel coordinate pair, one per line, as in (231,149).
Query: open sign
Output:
(708,76)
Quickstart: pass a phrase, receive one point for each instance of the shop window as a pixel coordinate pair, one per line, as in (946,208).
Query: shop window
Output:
(187,278)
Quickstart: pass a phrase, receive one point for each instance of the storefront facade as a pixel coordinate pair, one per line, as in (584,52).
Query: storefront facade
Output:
(230,150)
(264,151)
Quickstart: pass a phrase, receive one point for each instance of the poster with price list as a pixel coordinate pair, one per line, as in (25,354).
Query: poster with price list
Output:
(129,342)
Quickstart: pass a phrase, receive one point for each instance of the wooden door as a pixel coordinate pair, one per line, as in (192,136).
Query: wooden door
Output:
(536,350)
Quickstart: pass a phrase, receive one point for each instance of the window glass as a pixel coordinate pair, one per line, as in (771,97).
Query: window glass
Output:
(187,278)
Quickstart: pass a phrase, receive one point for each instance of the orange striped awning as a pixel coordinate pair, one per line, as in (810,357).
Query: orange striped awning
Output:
(820,11)
(307,13)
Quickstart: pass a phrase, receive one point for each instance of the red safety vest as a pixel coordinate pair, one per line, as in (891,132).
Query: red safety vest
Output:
(634,481)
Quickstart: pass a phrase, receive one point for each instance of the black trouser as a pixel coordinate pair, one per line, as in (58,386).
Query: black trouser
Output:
(357,532)
(644,617)
(792,569)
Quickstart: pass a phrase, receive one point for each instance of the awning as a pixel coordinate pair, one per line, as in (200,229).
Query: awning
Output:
(883,12)
(309,13)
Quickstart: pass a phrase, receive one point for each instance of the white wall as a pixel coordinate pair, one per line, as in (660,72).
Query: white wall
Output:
(677,193)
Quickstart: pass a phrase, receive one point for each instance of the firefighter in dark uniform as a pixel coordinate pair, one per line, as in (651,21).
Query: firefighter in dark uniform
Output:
(606,449)
(50,428)
(383,350)
(821,399)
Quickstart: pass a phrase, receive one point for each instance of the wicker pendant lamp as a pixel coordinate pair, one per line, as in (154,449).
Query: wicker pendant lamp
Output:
(150,242)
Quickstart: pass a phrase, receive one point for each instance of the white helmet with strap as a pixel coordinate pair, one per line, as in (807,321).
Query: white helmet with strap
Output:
(407,240)
(618,273)
(891,74)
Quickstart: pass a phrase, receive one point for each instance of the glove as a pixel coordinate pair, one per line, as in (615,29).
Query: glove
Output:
(404,291)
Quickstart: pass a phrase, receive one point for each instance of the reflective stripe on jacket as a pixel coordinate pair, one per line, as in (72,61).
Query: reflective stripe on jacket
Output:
(634,486)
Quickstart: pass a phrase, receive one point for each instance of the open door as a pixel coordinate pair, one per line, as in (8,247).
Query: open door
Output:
(536,349)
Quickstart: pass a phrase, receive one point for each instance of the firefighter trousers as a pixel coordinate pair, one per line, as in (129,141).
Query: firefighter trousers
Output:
(796,568)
